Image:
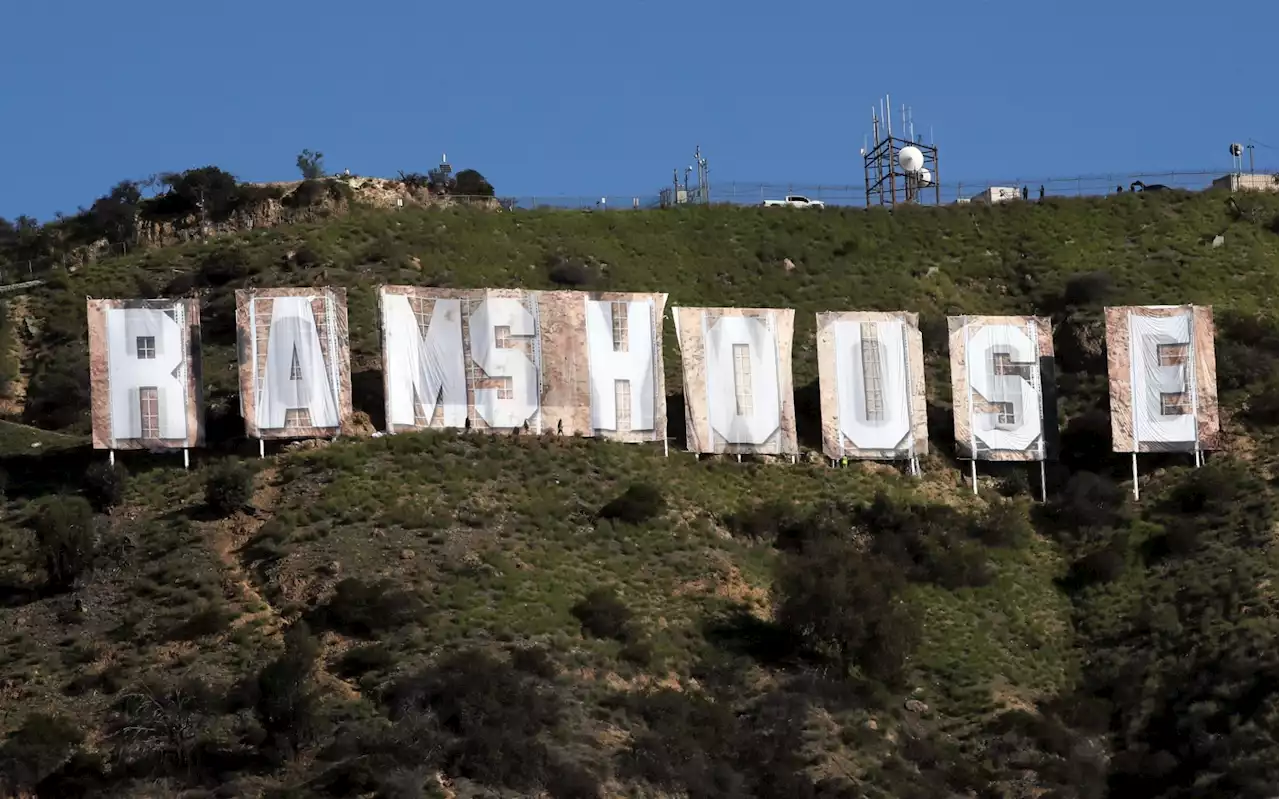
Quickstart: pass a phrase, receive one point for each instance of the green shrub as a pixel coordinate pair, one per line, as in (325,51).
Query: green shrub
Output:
(535,660)
(309,192)
(567,273)
(924,541)
(763,521)
(1088,290)
(9,366)
(209,620)
(365,609)
(224,266)
(471,183)
(637,651)
(65,538)
(163,721)
(34,750)
(638,504)
(498,721)
(228,487)
(1003,525)
(286,703)
(311,165)
(1099,567)
(692,744)
(604,615)
(361,660)
(104,485)
(58,394)
(843,602)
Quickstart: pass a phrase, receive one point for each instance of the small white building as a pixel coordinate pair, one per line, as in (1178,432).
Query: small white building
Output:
(1245,181)
(998,194)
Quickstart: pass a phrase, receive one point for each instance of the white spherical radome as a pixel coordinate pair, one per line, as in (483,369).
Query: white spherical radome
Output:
(911,159)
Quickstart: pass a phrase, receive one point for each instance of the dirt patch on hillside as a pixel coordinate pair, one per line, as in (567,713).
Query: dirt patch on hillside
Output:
(729,583)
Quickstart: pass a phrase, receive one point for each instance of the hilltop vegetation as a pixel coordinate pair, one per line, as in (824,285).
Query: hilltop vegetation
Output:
(444,614)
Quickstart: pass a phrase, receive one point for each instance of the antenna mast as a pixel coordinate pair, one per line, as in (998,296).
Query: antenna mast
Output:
(899,168)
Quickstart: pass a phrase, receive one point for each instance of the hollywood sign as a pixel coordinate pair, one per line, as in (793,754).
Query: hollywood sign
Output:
(590,364)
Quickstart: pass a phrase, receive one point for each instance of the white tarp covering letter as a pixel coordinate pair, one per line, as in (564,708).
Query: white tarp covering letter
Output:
(146,358)
(1164,388)
(737,366)
(295,372)
(870,364)
(621,339)
(425,369)
(562,362)
(1162,369)
(494,324)
(297,376)
(997,365)
(743,391)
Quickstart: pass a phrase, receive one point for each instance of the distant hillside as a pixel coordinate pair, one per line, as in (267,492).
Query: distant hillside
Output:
(442,614)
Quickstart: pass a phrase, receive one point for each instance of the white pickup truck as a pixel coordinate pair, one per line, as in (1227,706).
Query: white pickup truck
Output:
(796,201)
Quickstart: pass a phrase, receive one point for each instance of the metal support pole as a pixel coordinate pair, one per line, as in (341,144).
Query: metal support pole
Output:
(1044,489)
(973,474)
(262,448)
(666,448)
(1135,476)
(186,458)
(111,457)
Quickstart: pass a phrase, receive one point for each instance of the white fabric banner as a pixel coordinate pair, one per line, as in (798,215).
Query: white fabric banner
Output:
(1003,365)
(744,404)
(1164,390)
(621,345)
(517,402)
(737,379)
(872,384)
(568,362)
(145,350)
(430,367)
(297,374)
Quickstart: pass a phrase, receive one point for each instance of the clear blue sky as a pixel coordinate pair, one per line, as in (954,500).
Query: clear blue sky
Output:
(606,97)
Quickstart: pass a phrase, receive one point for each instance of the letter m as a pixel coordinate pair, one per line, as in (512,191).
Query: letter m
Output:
(424,361)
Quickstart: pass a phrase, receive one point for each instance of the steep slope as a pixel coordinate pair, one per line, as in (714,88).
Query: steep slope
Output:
(458,642)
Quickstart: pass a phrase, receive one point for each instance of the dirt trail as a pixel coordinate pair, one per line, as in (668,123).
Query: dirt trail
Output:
(229,537)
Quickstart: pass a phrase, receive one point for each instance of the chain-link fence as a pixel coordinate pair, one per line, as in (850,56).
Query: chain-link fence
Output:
(855,195)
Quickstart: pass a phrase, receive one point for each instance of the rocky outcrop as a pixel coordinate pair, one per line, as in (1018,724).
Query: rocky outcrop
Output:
(281,204)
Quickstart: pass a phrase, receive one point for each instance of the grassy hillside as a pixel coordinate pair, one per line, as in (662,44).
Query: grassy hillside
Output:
(438,614)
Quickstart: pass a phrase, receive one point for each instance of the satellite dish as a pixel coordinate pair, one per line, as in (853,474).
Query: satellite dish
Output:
(925,177)
(1237,150)
(911,158)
